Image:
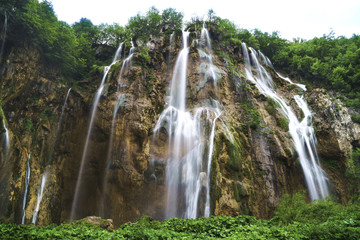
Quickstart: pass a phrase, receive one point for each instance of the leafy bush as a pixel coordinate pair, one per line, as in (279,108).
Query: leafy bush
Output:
(326,222)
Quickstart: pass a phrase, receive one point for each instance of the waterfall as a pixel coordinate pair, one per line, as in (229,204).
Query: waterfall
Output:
(62,110)
(4,37)
(125,64)
(39,197)
(178,81)
(119,102)
(6,137)
(27,180)
(52,147)
(302,132)
(206,59)
(92,118)
(191,139)
(302,86)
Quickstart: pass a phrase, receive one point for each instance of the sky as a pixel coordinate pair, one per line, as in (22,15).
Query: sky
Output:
(293,19)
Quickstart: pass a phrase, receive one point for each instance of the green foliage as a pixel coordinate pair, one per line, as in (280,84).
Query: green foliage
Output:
(143,58)
(353,172)
(332,63)
(355,118)
(29,125)
(172,20)
(293,208)
(140,27)
(283,123)
(271,105)
(252,114)
(295,219)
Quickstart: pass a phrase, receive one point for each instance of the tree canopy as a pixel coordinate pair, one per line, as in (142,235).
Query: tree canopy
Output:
(333,63)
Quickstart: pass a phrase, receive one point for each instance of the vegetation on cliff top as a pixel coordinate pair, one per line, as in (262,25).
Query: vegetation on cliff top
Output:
(295,219)
(329,62)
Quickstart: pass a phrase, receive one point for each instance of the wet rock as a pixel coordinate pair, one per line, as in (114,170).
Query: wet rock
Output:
(98,221)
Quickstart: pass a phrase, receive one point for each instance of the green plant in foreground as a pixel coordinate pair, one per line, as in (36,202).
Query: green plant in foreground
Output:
(294,219)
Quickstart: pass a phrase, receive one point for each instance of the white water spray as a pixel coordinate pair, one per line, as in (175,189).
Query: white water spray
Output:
(206,59)
(6,137)
(98,94)
(39,197)
(302,133)
(191,140)
(27,180)
(125,64)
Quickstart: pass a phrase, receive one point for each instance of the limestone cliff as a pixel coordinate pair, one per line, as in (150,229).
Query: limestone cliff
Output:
(254,161)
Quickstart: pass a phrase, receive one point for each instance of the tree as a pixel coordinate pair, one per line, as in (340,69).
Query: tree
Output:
(172,19)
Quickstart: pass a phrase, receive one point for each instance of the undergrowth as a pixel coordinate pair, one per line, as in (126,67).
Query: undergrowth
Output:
(294,219)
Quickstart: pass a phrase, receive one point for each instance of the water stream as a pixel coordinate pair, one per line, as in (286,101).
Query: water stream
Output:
(6,138)
(52,147)
(119,102)
(302,132)
(125,65)
(27,180)
(39,197)
(98,94)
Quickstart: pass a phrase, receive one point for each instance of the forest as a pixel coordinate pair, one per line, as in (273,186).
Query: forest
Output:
(80,50)
(330,62)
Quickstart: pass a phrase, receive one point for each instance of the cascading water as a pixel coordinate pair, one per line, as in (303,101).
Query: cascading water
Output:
(302,133)
(27,180)
(119,102)
(191,141)
(62,110)
(92,118)
(6,138)
(125,64)
(206,66)
(39,197)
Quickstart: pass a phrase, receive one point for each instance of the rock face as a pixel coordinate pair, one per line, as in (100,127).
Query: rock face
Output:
(253,163)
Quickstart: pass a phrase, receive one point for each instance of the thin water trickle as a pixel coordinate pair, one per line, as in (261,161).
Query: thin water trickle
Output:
(27,180)
(98,94)
(52,147)
(39,197)
(125,64)
(119,102)
(302,132)
(6,142)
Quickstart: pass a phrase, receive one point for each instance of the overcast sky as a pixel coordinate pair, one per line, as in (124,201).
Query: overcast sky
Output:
(301,18)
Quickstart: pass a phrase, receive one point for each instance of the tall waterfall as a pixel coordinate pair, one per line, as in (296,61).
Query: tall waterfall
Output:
(302,132)
(27,180)
(39,197)
(98,94)
(191,139)
(119,101)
